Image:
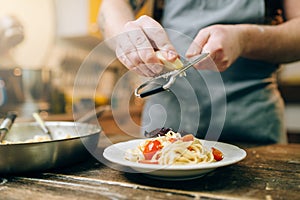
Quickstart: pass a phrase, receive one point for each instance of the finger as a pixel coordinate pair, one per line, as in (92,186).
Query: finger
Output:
(197,45)
(158,37)
(217,55)
(144,50)
(132,64)
(204,43)
(126,62)
(125,48)
(207,64)
(129,57)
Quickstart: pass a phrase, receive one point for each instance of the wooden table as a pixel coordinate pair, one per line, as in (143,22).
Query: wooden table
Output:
(268,172)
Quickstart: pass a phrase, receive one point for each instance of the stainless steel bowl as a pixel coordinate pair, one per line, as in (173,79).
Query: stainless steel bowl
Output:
(72,142)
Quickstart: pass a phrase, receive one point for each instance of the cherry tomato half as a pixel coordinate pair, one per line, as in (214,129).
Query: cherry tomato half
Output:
(218,155)
(151,148)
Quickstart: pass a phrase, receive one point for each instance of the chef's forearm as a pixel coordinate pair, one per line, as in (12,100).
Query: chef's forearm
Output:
(113,15)
(277,44)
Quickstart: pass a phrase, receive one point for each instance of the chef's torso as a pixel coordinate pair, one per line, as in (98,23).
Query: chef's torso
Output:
(242,103)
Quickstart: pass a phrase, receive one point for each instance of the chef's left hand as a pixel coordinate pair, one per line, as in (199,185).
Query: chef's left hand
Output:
(223,42)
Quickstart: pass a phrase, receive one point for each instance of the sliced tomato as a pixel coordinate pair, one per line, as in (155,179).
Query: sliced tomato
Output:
(151,148)
(218,155)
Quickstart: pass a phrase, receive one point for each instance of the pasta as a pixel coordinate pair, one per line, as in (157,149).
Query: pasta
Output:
(37,138)
(173,149)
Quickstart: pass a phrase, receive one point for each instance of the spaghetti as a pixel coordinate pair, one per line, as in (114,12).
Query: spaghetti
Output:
(173,149)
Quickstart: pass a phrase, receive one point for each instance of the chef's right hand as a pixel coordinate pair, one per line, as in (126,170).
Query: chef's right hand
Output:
(137,44)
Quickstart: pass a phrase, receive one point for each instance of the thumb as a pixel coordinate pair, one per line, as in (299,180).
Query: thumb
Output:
(198,44)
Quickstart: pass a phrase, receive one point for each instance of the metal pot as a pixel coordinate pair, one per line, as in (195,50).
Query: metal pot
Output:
(72,142)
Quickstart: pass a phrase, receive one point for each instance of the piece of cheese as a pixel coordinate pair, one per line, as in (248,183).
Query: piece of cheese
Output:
(177,64)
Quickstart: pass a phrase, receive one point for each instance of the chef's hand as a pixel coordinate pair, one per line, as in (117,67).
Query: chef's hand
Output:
(137,43)
(223,42)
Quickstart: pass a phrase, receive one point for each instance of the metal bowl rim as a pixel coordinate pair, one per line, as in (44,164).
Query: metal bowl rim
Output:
(53,123)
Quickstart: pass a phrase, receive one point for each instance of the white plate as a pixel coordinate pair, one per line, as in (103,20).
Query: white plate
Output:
(116,154)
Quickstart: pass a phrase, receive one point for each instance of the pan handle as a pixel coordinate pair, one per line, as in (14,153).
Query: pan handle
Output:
(6,124)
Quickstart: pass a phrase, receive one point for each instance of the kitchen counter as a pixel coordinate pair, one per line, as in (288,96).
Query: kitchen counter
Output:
(268,172)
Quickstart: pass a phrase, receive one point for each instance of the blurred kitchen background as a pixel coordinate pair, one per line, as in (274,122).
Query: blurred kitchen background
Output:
(44,42)
(43,45)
